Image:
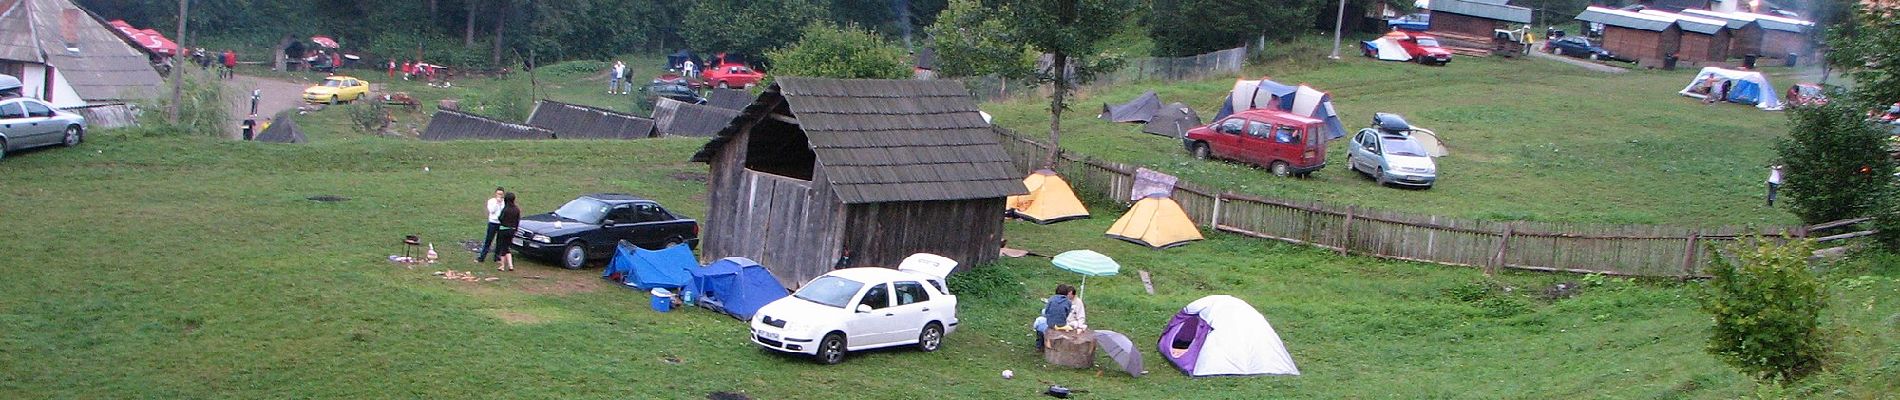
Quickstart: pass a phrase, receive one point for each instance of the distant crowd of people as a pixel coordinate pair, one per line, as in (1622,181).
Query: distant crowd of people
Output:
(226,62)
(418,70)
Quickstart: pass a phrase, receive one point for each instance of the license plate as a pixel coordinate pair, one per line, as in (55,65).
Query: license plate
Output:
(518,242)
(768,335)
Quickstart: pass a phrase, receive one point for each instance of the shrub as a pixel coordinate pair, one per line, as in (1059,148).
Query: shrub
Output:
(509,100)
(1837,162)
(833,52)
(202,111)
(1767,309)
(370,117)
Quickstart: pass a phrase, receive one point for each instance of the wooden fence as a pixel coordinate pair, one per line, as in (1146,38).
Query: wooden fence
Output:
(1629,250)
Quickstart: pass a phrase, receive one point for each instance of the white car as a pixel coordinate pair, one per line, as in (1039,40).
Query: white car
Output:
(863,308)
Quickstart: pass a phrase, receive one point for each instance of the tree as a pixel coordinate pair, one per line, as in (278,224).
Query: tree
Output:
(848,52)
(1767,309)
(1868,46)
(1837,162)
(748,27)
(1068,32)
(1190,27)
(972,40)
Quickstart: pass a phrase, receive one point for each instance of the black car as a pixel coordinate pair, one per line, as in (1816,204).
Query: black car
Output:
(589,227)
(1580,47)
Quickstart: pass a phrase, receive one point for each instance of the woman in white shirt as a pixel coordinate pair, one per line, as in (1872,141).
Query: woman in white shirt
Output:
(494,225)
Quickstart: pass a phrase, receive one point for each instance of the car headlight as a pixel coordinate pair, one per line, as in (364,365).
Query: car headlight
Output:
(542,238)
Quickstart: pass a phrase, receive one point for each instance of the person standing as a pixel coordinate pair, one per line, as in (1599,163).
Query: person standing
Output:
(407,69)
(494,225)
(619,73)
(230,64)
(510,220)
(1774,183)
(1055,312)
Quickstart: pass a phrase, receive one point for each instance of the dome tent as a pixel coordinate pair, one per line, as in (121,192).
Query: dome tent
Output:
(1223,335)
(1155,221)
(1050,200)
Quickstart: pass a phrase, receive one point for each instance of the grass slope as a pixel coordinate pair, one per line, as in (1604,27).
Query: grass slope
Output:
(193,268)
(1531,139)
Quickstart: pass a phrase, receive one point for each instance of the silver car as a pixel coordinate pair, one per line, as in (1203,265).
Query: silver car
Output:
(28,123)
(1389,153)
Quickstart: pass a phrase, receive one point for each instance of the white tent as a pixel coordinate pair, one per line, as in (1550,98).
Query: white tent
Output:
(1746,87)
(1224,335)
(1389,50)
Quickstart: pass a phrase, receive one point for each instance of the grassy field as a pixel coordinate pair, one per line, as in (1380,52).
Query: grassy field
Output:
(195,268)
(1530,140)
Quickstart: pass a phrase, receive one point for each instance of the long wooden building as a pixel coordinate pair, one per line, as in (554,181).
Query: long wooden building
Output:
(817,174)
(1762,35)
(1476,18)
(1703,40)
(1644,38)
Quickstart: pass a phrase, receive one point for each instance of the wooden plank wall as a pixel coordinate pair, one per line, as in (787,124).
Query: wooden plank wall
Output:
(786,224)
(1632,250)
(1697,47)
(882,234)
(1638,44)
(1745,41)
(1466,25)
(1777,44)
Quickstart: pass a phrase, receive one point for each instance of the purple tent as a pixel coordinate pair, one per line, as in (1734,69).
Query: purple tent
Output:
(1223,335)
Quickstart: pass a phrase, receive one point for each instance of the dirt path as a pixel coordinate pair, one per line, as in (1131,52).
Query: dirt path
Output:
(1581,63)
(276,95)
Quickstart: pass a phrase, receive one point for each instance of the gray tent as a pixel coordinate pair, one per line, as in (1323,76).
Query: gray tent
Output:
(1173,121)
(574,121)
(457,125)
(1141,109)
(282,129)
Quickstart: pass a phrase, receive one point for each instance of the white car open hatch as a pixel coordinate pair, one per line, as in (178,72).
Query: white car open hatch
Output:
(928,264)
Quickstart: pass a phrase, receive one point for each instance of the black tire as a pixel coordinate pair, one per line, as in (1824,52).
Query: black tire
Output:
(1557,50)
(830,350)
(1201,151)
(574,256)
(73,136)
(931,338)
(1280,168)
(3,149)
(723,85)
(333,100)
(1379,175)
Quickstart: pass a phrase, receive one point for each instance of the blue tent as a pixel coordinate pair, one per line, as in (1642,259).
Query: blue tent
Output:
(736,286)
(648,269)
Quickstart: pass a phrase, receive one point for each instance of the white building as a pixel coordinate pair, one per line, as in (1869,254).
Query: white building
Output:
(66,56)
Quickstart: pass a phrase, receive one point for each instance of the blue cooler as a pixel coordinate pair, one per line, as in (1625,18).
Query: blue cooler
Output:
(662,300)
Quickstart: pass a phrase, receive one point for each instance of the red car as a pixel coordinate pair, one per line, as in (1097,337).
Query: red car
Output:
(1285,143)
(1420,47)
(731,76)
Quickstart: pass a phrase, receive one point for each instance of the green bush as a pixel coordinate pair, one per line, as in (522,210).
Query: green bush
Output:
(848,52)
(202,111)
(1837,162)
(508,100)
(1767,309)
(369,117)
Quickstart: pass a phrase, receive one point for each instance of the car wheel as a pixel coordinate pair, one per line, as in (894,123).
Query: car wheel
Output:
(723,85)
(1379,176)
(1280,168)
(1593,57)
(3,148)
(674,241)
(333,100)
(574,256)
(831,349)
(931,338)
(1201,152)
(1557,50)
(72,137)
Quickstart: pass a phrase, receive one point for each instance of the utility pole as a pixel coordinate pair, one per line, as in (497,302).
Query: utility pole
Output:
(178,74)
(1338,28)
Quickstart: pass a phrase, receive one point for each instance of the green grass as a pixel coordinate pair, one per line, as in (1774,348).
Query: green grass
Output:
(1530,140)
(195,268)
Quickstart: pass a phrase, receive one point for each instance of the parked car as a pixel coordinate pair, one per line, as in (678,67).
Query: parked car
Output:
(669,89)
(1419,22)
(862,308)
(588,228)
(1388,153)
(1580,47)
(28,123)
(730,76)
(336,89)
(1285,143)
(1425,49)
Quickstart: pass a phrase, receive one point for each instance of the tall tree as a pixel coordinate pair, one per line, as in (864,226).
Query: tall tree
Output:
(972,39)
(1868,47)
(468,26)
(748,26)
(1070,33)
(849,52)
(1837,162)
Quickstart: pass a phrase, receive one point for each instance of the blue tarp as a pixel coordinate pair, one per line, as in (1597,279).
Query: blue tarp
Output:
(1744,92)
(736,286)
(647,269)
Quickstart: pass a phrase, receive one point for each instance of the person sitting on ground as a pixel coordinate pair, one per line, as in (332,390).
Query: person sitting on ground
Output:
(1055,314)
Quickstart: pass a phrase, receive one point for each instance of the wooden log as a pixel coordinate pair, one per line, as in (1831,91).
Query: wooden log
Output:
(1504,245)
(1688,255)
(1345,232)
(1146,283)
(1069,348)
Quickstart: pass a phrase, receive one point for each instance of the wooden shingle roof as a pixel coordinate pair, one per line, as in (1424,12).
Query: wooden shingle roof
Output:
(574,121)
(674,118)
(890,140)
(457,125)
(730,99)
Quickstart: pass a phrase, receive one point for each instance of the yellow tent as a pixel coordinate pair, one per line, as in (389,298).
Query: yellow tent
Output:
(1156,221)
(1050,200)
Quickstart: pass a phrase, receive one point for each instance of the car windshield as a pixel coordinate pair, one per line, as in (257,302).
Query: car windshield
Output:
(1579,41)
(1401,147)
(583,209)
(830,290)
(1427,42)
(334,83)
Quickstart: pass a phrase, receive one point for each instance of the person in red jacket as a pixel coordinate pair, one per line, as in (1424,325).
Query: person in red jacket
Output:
(230,64)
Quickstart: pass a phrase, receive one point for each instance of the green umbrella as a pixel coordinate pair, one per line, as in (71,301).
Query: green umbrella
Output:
(1088,263)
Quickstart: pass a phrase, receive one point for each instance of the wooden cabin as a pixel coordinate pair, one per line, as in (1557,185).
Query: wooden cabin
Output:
(1476,19)
(1644,38)
(818,174)
(1703,40)
(1763,35)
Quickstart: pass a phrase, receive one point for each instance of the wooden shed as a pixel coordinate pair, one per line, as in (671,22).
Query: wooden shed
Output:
(818,174)
(1703,40)
(1764,35)
(1644,38)
(1476,19)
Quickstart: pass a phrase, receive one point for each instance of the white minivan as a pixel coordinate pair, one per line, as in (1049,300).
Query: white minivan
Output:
(863,308)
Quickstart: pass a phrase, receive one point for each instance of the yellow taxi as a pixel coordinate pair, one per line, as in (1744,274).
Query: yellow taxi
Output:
(337,89)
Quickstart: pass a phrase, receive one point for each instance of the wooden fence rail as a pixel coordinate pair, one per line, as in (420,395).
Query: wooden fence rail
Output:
(1628,250)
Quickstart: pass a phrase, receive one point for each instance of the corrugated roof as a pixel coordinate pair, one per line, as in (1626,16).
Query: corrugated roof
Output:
(1626,19)
(890,140)
(98,63)
(1737,20)
(1497,10)
(456,125)
(730,99)
(574,121)
(675,118)
(1691,23)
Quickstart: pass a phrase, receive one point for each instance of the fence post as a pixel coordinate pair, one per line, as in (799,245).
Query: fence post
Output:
(1688,255)
(1345,231)
(1214,221)
(1504,245)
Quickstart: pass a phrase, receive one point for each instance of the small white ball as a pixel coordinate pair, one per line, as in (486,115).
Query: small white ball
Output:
(1008,374)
